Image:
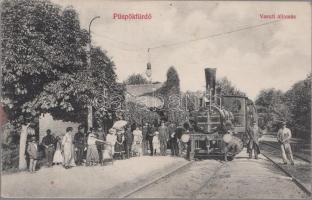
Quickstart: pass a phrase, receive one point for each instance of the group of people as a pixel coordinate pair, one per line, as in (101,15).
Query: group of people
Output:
(95,146)
(283,138)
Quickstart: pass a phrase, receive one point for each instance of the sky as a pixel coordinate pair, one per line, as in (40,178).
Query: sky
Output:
(275,55)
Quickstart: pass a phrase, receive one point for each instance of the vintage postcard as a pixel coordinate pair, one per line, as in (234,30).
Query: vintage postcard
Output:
(155,99)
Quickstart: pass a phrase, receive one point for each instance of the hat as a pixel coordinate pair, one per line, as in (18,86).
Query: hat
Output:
(112,131)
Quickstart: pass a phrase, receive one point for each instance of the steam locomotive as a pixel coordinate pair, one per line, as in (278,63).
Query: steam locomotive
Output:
(208,122)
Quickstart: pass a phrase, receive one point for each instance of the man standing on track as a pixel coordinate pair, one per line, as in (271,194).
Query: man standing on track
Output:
(283,137)
(254,132)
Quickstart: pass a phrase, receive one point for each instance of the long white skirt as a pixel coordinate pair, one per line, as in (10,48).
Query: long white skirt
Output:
(58,157)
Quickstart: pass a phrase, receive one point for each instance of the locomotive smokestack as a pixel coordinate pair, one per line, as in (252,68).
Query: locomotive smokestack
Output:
(210,74)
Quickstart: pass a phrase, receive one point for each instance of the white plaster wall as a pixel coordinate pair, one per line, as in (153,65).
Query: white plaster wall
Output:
(57,127)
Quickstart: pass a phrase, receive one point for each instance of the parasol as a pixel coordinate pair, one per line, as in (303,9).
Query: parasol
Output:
(119,124)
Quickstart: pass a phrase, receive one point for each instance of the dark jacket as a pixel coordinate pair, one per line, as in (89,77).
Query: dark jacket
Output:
(79,140)
(128,137)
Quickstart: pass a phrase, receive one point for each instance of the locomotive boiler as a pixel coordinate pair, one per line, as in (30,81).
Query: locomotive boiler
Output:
(208,121)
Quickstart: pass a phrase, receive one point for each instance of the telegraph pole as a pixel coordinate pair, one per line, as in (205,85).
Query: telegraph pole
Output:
(90,115)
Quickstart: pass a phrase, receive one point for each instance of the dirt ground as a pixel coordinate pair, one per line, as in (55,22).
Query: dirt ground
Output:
(81,181)
(240,178)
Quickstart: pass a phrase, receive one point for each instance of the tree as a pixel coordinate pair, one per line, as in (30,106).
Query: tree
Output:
(41,44)
(227,88)
(136,79)
(44,62)
(272,108)
(298,100)
(170,93)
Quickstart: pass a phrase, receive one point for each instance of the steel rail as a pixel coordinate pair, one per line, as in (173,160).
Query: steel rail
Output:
(194,194)
(294,179)
(295,155)
(141,187)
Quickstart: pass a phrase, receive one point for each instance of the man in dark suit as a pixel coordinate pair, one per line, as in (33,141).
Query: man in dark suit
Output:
(48,142)
(254,133)
(80,144)
(150,134)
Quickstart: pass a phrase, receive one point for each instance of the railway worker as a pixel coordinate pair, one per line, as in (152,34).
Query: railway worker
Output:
(254,132)
(163,138)
(232,147)
(283,138)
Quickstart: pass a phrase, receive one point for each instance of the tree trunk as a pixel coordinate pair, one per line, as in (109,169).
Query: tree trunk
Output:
(22,164)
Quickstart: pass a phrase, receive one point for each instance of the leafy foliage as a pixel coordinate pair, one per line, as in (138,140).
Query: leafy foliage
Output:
(40,44)
(227,88)
(136,79)
(293,106)
(170,92)
(45,69)
(298,101)
(139,114)
(271,108)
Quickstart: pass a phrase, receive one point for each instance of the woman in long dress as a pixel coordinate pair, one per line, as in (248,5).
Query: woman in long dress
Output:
(137,141)
(92,152)
(119,146)
(58,157)
(68,149)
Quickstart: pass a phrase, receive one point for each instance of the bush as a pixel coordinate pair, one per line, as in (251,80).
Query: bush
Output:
(10,157)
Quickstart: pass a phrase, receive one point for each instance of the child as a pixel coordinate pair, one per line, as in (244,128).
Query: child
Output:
(58,157)
(156,143)
(32,151)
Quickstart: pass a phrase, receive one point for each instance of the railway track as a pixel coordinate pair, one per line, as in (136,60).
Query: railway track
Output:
(195,192)
(294,154)
(171,173)
(301,185)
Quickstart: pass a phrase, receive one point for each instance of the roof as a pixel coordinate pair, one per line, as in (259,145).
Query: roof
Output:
(141,89)
(141,94)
